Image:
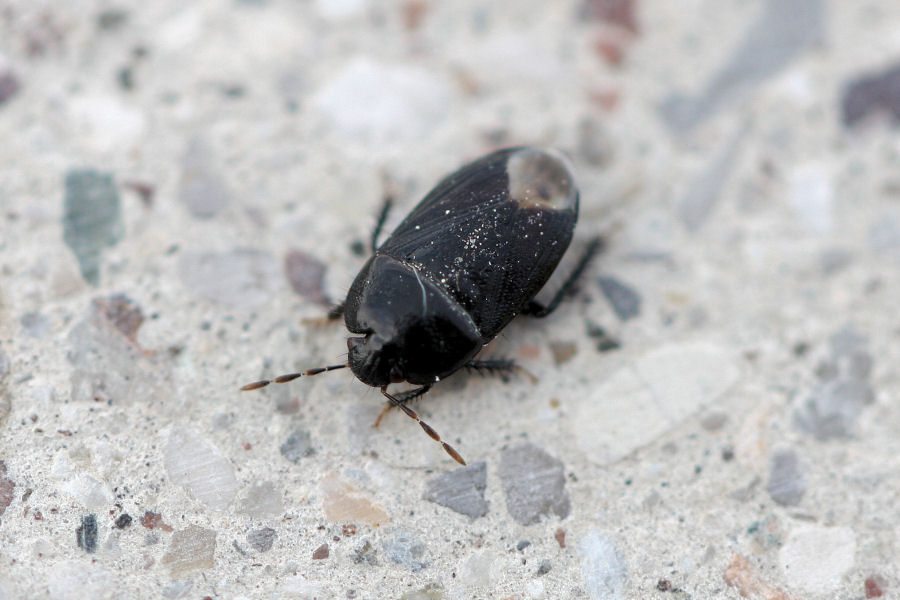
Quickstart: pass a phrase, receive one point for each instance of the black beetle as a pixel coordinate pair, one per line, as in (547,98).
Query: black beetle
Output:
(471,256)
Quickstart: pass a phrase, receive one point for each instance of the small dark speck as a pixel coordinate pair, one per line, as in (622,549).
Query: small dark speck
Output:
(544,567)
(358,248)
(727,453)
(522,545)
(123,521)
(605,342)
(125,78)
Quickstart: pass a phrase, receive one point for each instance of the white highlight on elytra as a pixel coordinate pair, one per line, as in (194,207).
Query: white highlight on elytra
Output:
(424,294)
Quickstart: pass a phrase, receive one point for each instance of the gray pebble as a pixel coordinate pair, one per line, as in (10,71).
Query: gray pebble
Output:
(365,554)
(86,534)
(625,301)
(406,549)
(297,446)
(262,539)
(92,219)
(787,482)
(602,567)
(460,490)
(832,409)
(534,484)
(544,567)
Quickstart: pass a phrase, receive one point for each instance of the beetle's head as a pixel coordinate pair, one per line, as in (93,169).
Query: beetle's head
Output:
(374,360)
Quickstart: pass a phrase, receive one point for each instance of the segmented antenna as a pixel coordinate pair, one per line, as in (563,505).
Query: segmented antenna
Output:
(290,377)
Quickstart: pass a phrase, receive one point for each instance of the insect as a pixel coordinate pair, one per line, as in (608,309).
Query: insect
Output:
(471,256)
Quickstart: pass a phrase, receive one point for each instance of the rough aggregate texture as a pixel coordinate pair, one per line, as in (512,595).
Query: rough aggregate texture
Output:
(185,186)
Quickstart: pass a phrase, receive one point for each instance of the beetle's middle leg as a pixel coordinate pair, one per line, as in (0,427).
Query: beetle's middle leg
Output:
(536,309)
(401,398)
(499,366)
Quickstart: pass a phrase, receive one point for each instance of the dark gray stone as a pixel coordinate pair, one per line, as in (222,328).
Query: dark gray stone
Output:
(625,301)
(262,539)
(297,446)
(870,94)
(86,534)
(787,482)
(534,484)
(92,219)
(460,490)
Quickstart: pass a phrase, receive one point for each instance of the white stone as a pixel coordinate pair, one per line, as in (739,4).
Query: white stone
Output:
(341,9)
(106,123)
(602,567)
(816,558)
(199,467)
(92,493)
(379,103)
(640,402)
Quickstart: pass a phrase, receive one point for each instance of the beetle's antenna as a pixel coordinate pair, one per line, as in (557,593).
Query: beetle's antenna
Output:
(425,426)
(290,377)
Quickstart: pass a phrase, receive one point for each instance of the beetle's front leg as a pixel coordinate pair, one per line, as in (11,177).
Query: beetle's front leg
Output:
(402,398)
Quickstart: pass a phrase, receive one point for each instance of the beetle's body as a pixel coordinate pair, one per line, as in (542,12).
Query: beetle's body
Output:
(469,258)
(464,262)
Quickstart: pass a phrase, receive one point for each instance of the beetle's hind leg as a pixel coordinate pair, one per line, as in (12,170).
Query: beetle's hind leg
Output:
(402,398)
(503,367)
(336,312)
(536,309)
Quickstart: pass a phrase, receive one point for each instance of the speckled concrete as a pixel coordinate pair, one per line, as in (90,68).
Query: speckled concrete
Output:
(714,414)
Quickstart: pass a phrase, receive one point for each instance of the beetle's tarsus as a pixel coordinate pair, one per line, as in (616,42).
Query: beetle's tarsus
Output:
(536,309)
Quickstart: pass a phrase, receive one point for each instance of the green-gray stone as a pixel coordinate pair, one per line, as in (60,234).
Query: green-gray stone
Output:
(92,220)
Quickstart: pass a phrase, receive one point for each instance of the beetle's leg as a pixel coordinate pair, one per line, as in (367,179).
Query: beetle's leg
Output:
(535,309)
(499,366)
(382,217)
(425,426)
(402,398)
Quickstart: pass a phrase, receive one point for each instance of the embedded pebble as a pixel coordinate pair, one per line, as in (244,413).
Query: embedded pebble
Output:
(383,104)
(86,534)
(261,501)
(659,390)
(243,277)
(305,273)
(783,30)
(625,301)
(406,549)
(320,553)
(297,445)
(816,558)
(787,482)
(92,219)
(190,549)
(202,189)
(337,10)
(123,313)
(199,467)
(432,591)
(124,521)
(106,123)
(460,490)
(178,589)
(92,493)
(344,504)
(534,484)
(831,411)
(7,489)
(9,85)
(872,94)
(602,566)
(35,324)
(365,554)
(262,539)
(358,418)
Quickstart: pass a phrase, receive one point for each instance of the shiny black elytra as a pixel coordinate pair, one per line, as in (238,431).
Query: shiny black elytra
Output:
(471,256)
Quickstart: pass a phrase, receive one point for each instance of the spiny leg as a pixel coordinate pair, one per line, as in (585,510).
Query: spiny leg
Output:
(499,366)
(536,309)
(403,398)
(379,223)
(290,377)
(425,426)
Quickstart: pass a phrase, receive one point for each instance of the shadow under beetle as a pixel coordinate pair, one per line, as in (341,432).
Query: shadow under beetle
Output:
(471,256)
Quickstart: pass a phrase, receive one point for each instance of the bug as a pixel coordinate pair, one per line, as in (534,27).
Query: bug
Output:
(470,257)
